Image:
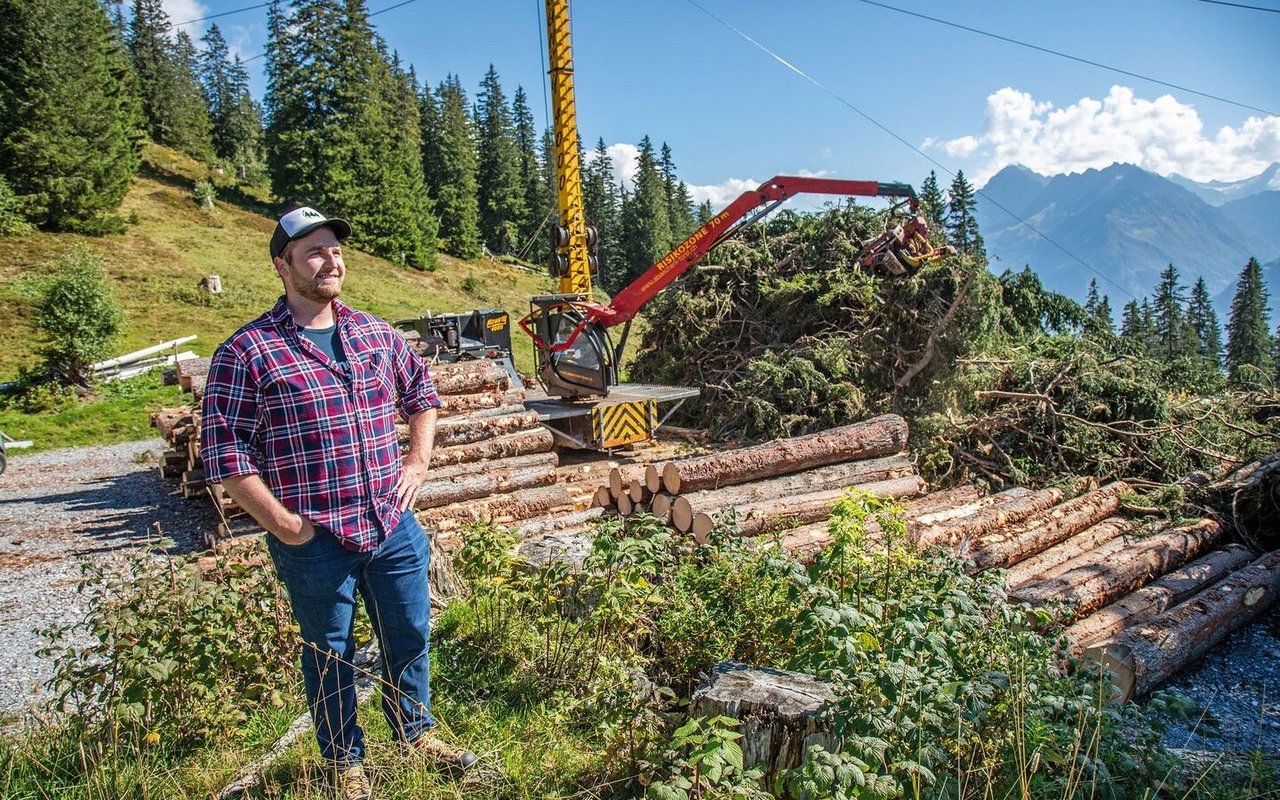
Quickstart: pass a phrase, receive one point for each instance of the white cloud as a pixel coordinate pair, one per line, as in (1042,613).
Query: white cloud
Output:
(1160,135)
(722,193)
(623,158)
(180,11)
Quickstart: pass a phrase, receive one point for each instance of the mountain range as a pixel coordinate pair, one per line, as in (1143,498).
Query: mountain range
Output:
(1124,225)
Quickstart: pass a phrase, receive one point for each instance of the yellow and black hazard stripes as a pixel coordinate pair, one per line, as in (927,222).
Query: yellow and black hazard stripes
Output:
(628,422)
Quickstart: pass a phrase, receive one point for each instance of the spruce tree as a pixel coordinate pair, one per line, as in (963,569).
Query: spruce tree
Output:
(498,175)
(676,193)
(705,212)
(1169,318)
(1104,322)
(962,225)
(1249,342)
(343,129)
(534,189)
(70,115)
(1133,337)
(600,197)
(932,204)
(646,228)
(235,116)
(191,131)
(1203,321)
(172,97)
(1097,309)
(449,160)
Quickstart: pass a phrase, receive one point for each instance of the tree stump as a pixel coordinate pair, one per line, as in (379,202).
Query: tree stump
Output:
(782,713)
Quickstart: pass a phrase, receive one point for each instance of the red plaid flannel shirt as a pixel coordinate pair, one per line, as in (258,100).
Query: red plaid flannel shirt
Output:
(322,435)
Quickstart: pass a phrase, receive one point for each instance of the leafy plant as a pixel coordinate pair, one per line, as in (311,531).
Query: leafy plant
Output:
(175,656)
(707,764)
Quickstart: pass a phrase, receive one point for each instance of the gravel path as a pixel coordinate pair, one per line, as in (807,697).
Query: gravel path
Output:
(1238,683)
(61,509)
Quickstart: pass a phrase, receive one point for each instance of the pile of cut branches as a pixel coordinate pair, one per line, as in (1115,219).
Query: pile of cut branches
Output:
(785,334)
(1000,379)
(1059,406)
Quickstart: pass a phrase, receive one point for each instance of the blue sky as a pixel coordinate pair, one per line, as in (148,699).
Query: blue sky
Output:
(734,116)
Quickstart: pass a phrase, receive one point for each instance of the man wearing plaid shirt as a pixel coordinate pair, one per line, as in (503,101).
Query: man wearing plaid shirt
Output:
(299,427)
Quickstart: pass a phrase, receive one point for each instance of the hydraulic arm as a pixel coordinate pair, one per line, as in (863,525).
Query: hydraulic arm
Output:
(575,357)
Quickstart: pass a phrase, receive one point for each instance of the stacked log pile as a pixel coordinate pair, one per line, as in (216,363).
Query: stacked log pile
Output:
(770,486)
(1114,585)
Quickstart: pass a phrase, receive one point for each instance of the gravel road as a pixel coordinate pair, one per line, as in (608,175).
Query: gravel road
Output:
(62,509)
(65,508)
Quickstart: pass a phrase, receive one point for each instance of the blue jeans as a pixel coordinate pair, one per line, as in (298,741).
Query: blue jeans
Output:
(323,580)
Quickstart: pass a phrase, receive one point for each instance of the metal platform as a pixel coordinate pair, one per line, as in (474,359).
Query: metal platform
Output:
(576,423)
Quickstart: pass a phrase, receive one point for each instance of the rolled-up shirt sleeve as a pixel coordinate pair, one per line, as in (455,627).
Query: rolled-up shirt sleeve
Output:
(228,419)
(415,390)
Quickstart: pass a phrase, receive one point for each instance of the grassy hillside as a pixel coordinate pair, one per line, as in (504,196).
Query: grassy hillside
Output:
(156,265)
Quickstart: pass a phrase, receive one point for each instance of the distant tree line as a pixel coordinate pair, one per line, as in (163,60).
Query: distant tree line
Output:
(344,125)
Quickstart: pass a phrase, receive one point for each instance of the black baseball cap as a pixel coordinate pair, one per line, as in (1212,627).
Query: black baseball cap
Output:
(300,221)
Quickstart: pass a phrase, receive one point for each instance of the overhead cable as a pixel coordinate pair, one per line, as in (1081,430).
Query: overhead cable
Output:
(1060,54)
(1241,5)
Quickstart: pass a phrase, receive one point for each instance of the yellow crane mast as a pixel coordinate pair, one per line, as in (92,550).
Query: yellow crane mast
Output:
(572,261)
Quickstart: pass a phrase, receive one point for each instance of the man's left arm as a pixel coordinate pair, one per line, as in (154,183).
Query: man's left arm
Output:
(413,470)
(417,401)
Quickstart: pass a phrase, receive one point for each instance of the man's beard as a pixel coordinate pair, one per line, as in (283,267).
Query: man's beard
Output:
(317,290)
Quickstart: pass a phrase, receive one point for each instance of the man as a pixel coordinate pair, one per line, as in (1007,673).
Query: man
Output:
(299,427)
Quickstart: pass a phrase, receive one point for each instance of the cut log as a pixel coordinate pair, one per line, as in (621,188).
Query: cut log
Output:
(1043,566)
(879,436)
(945,513)
(637,490)
(620,478)
(782,713)
(465,482)
(521,443)
(557,522)
(500,509)
(1146,655)
(603,498)
(167,419)
(625,505)
(500,411)
(755,519)
(1090,586)
(189,369)
(1007,508)
(836,476)
(1002,548)
(453,405)
(472,428)
(481,375)
(653,478)
(935,506)
(549,460)
(1157,597)
(660,506)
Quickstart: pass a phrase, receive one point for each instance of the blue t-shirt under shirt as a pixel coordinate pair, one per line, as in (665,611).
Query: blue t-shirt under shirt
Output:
(326,339)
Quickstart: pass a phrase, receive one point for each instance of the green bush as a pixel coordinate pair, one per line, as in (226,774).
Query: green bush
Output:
(78,315)
(175,657)
(204,194)
(12,222)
